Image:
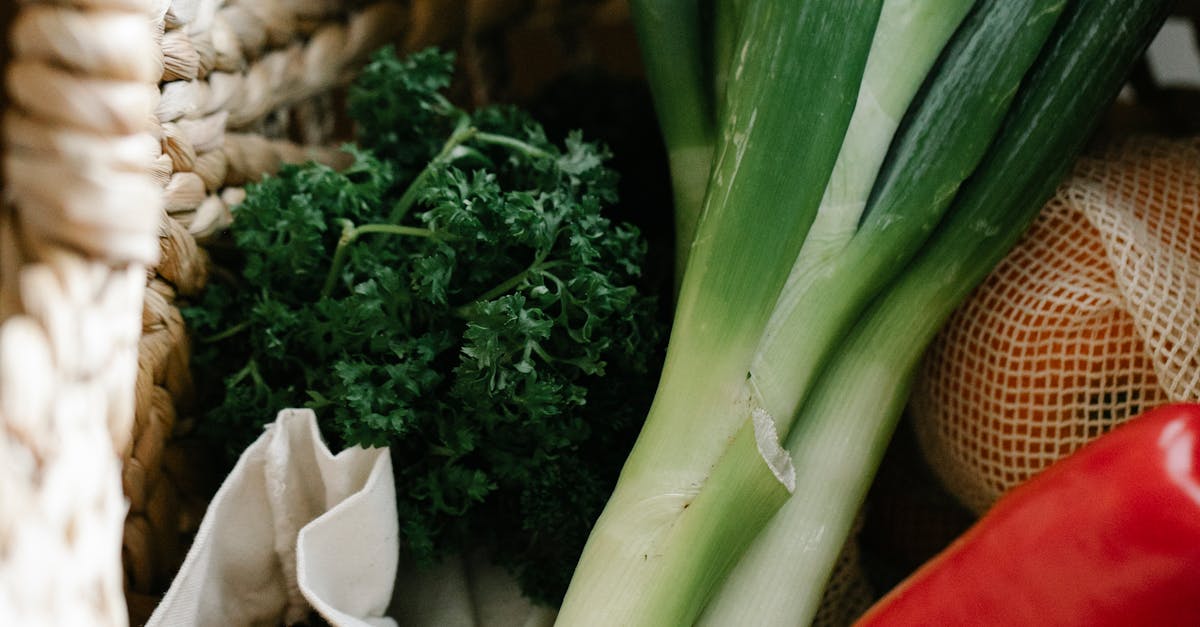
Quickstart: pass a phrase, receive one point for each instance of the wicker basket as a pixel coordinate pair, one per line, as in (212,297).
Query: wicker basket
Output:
(128,128)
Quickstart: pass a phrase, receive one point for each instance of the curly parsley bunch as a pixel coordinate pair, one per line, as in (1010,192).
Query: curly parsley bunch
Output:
(458,295)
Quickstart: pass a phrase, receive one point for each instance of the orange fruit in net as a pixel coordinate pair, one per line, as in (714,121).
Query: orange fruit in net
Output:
(1093,318)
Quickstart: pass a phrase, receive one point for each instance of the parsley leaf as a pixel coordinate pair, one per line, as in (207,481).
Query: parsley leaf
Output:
(493,335)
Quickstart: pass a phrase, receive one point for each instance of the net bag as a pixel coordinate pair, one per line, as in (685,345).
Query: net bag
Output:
(848,593)
(1093,318)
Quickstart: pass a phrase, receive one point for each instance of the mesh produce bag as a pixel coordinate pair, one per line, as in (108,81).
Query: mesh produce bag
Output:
(1093,318)
(847,593)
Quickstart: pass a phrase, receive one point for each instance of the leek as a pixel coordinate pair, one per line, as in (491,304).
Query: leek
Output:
(805,251)
(672,40)
(756,212)
(961,110)
(845,426)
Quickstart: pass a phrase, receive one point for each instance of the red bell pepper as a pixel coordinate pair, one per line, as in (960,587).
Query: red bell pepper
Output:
(1109,535)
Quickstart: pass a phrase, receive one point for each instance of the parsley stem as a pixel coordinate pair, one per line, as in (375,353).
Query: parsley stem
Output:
(350,233)
(462,133)
(505,286)
(339,258)
(249,370)
(390,229)
(536,267)
(512,142)
(227,333)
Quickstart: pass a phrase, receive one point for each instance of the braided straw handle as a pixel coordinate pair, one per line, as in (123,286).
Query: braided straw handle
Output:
(229,69)
(237,76)
(78,226)
(131,126)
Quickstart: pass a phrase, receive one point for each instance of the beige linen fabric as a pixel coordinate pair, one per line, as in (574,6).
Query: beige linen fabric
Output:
(293,527)
(296,529)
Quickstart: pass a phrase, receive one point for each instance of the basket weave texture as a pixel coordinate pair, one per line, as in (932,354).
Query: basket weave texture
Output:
(129,130)
(236,78)
(78,228)
(129,127)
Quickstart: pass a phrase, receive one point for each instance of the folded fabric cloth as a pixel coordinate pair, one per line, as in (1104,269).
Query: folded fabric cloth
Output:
(293,529)
(463,592)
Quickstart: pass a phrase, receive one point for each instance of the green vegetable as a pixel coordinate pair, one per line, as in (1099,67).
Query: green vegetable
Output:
(670,36)
(799,420)
(757,209)
(458,295)
(845,425)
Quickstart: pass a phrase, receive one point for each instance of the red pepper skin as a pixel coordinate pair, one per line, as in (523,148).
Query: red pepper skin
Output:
(1109,535)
